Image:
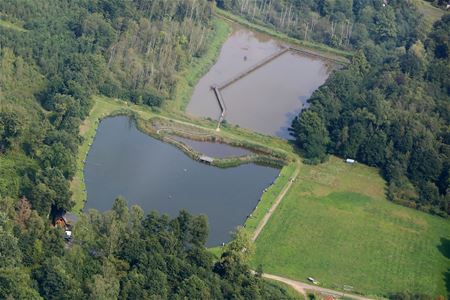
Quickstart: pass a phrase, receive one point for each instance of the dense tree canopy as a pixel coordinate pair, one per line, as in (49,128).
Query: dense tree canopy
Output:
(390,108)
(121,254)
(68,51)
(345,24)
(55,57)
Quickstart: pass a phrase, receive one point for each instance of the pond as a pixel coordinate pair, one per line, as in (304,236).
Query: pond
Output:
(267,99)
(216,150)
(157,176)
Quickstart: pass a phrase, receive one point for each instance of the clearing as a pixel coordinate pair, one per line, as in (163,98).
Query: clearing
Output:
(335,224)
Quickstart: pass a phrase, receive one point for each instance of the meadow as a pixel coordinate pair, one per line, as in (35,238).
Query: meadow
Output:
(336,226)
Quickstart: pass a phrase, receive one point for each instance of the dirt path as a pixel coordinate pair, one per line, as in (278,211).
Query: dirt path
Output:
(274,206)
(302,287)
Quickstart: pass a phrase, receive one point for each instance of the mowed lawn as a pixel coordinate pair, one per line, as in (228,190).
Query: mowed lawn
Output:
(336,226)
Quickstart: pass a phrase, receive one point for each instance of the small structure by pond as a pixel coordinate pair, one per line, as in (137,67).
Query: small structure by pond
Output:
(206,159)
(158,176)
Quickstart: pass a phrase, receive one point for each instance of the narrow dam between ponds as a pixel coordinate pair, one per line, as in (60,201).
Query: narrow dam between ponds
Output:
(261,82)
(157,176)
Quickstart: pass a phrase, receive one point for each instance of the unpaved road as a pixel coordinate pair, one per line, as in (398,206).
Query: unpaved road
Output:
(274,206)
(302,287)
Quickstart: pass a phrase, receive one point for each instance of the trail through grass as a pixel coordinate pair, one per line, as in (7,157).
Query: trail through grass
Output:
(334,223)
(336,226)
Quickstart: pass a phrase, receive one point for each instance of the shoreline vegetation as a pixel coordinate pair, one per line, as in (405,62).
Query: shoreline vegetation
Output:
(274,155)
(377,129)
(312,188)
(160,126)
(309,47)
(198,67)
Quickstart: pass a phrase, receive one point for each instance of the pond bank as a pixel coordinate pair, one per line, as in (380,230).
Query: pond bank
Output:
(322,50)
(159,127)
(124,161)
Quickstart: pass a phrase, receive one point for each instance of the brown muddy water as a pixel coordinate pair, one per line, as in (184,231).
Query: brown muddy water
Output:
(267,99)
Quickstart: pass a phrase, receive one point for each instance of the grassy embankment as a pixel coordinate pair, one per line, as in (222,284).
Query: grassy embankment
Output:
(87,131)
(336,225)
(105,106)
(293,294)
(321,49)
(198,67)
(171,111)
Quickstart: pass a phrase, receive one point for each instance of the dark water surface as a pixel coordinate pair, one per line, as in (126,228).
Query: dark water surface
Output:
(267,99)
(157,176)
(216,150)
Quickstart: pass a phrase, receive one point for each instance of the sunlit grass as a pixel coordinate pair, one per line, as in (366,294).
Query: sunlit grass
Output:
(268,198)
(336,225)
(430,13)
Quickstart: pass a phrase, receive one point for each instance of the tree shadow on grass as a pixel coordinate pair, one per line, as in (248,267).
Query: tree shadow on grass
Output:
(447,281)
(444,248)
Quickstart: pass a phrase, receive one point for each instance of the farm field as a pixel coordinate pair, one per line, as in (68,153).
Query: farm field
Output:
(336,226)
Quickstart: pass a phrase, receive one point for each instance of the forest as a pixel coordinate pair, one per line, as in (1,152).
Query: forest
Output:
(68,51)
(121,254)
(390,108)
(54,57)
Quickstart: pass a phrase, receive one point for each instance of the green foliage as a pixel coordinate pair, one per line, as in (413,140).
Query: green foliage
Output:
(15,283)
(118,254)
(311,135)
(342,24)
(68,51)
(391,112)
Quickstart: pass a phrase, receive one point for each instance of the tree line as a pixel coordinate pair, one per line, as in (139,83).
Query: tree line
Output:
(121,254)
(68,51)
(344,24)
(65,52)
(390,107)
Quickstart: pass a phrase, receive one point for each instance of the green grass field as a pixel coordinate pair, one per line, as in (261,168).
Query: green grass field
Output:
(268,198)
(430,13)
(336,226)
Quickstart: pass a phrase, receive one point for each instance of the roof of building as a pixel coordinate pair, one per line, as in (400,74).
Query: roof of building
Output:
(206,158)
